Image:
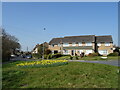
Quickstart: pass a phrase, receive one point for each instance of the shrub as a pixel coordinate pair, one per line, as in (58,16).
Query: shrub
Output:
(93,54)
(76,57)
(113,54)
(56,55)
(71,57)
(36,55)
(45,56)
(66,55)
(49,56)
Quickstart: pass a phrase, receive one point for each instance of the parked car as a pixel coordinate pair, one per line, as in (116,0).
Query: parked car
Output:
(13,56)
(28,56)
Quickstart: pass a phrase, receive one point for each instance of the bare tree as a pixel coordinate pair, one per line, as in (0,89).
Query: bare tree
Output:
(9,45)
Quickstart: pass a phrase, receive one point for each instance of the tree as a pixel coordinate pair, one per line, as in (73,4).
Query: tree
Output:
(43,46)
(9,45)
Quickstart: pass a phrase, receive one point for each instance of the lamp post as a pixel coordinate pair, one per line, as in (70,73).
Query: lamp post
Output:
(43,46)
(43,51)
(61,47)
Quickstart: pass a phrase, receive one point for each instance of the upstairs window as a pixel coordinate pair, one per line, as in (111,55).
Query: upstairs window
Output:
(88,44)
(73,44)
(52,45)
(107,44)
(65,44)
(80,44)
(99,44)
(59,45)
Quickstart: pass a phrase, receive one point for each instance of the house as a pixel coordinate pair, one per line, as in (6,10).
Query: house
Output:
(77,44)
(35,49)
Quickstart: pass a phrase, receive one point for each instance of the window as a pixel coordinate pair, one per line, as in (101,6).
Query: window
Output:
(65,44)
(103,52)
(73,44)
(88,44)
(88,51)
(65,52)
(59,45)
(52,45)
(99,44)
(107,44)
(80,51)
(80,44)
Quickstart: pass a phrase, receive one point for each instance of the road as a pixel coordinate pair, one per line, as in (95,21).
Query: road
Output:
(108,62)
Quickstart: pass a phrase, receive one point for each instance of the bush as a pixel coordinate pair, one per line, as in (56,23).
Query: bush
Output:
(76,57)
(56,55)
(93,54)
(71,57)
(113,54)
(66,55)
(45,56)
(36,56)
(49,56)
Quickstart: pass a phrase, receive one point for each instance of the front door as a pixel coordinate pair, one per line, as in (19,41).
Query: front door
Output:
(72,52)
(55,51)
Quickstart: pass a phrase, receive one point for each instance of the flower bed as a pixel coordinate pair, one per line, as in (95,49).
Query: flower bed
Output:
(43,63)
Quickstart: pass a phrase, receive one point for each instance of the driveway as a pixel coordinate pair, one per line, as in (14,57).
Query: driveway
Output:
(108,62)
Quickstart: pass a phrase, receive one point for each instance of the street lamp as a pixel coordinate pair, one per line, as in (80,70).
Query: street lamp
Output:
(61,46)
(43,50)
(43,46)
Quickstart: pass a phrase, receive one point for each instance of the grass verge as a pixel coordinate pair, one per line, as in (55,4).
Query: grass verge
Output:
(72,75)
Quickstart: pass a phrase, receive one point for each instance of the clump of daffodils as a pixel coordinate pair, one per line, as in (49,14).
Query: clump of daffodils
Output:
(43,63)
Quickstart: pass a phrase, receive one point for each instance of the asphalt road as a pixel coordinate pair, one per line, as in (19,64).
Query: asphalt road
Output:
(108,62)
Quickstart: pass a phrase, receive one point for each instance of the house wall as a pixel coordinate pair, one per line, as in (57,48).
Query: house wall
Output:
(108,48)
(77,51)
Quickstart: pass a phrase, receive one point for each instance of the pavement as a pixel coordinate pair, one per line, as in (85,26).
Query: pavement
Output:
(108,62)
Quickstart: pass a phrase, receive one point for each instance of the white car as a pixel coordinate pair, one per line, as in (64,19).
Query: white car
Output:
(12,55)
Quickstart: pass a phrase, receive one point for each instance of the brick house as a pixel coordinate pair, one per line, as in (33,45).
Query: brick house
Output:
(77,44)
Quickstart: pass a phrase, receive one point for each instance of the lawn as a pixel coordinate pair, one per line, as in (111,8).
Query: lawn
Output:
(72,75)
(90,58)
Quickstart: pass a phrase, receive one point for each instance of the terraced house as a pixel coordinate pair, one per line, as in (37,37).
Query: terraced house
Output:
(77,44)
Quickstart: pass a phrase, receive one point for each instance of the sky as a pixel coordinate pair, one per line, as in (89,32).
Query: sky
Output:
(27,20)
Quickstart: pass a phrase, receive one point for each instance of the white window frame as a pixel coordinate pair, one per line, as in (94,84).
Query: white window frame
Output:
(64,44)
(73,44)
(66,52)
(107,44)
(98,44)
(88,52)
(88,44)
(59,45)
(80,51)
(80,44)
(103,52)
(52,45)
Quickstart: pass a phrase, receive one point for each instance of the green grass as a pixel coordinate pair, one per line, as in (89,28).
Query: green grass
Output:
(89,58)
(64,57)
(99,58)
(72,75)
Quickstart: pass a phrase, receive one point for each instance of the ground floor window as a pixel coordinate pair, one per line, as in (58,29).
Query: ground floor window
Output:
(80,51)
(65,52)
(103,52)
(88,51)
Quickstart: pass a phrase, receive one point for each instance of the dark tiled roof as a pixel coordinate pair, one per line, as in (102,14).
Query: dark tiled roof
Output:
(86,38)
(106,38)
(71,39)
